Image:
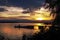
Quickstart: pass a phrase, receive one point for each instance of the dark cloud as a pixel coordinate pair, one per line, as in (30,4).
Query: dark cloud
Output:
(2,9)
(23,3)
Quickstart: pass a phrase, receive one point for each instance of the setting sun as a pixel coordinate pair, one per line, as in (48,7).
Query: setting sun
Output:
(39,18)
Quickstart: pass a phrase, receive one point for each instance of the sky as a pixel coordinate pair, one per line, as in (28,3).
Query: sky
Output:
(22,3)
(15,8)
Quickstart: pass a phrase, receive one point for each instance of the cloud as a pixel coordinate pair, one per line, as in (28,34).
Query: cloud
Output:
(23,3)
(2,9)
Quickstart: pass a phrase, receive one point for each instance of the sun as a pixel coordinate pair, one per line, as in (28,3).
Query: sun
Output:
(39,18)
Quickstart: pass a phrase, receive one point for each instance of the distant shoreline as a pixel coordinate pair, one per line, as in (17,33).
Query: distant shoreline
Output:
(25,21)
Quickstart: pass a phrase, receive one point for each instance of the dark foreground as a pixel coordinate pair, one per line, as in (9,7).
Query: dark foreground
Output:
(52,34)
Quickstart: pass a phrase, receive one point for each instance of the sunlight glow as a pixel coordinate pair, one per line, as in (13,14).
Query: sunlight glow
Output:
(39,18)
(36,29)
(43,14)
(38,14)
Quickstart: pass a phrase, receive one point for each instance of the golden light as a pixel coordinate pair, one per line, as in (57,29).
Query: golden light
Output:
(40,24)
(36,29)
(43,14)
(39,19)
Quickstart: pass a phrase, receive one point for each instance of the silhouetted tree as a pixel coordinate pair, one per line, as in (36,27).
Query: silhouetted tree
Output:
(54,4)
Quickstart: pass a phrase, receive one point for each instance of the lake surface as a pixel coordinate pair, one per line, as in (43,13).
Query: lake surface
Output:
(9,31)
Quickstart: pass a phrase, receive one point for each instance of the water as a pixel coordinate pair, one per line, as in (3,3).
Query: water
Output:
(9,31)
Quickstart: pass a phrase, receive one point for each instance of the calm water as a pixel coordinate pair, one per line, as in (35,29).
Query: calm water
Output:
(8,30)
